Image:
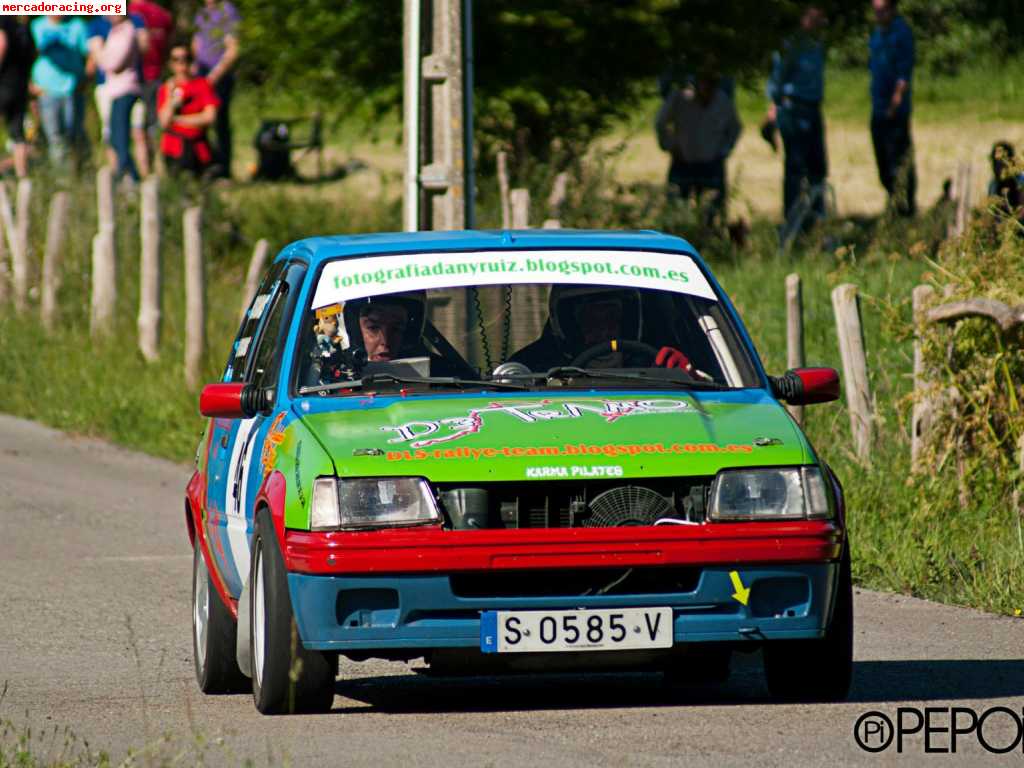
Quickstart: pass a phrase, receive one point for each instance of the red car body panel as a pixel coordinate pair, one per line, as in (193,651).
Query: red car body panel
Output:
(433,550)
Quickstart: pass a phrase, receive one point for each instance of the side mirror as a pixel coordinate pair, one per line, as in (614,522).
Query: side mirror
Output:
(229,401)
(806,386)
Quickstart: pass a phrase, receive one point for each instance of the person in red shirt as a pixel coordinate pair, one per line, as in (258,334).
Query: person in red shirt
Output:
(159,29)
(186,107)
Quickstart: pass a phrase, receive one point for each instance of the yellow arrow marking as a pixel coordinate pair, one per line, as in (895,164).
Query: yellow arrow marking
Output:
(742,594)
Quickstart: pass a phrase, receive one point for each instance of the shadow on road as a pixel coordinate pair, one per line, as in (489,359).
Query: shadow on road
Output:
(945,679)
(874,681)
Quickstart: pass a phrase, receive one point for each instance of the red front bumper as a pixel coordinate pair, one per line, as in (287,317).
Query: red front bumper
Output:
(431,550)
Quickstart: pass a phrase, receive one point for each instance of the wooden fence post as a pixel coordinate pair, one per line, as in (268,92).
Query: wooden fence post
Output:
(506,210)
(962,188)
(795,333)
(559,193)
(252,277)
(104,286)
(923,409)
(846,305)
(53,257)
(105,201)
(17,237)
(8,236)
(5,270)
(1017,497)
(148,321)
(520,201)
(195,297)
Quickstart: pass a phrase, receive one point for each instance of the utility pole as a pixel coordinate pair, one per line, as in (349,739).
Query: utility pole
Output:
(435,116)
(438,142)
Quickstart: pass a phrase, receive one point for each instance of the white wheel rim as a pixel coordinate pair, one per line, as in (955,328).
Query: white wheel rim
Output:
(201,609)
(258,623)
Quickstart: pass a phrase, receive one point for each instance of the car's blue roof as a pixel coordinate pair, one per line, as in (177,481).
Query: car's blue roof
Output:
(319,249)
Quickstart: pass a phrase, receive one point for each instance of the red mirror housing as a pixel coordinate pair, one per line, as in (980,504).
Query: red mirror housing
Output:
(806,386)
(227,401)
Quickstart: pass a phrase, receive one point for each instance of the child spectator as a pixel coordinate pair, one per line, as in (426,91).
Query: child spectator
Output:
(62,44)
(120,59)
(186,106)
(17,52)
(99,31)
(215,45)
(159,28)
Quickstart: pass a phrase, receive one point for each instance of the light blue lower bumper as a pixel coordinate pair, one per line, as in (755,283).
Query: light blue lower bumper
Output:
(343,613)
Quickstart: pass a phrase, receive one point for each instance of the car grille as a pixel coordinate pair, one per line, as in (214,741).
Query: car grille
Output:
(647,580)
(568,504)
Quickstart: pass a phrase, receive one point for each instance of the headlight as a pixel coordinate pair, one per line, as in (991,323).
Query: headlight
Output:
(371,502)
(790,493)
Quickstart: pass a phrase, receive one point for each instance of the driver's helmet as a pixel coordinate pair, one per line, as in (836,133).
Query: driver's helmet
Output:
(584,315)
(415,305)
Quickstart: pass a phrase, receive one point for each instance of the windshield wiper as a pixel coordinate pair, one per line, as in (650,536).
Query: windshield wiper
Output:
(570,371)
(374,379)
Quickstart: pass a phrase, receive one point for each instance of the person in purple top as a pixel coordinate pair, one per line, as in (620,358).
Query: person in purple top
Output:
(215,47)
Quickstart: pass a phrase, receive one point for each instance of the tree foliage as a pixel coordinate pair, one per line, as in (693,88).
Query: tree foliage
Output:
(550,76)
(546,74)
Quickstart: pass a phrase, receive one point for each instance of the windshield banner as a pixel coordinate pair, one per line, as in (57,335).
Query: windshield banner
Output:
(347,279)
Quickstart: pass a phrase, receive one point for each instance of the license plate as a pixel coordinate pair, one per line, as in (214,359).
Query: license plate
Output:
(604,629)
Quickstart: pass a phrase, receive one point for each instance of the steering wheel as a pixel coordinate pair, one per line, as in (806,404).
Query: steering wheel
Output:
(625,346)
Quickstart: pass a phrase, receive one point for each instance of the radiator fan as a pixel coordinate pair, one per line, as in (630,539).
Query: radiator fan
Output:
(627,505)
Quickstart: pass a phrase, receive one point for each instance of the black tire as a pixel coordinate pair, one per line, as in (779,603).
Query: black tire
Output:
(276,649)
(705,664)
(213,646)
(816,670)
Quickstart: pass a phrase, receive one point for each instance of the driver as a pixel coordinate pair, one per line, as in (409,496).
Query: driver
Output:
(582,316)
(373,329)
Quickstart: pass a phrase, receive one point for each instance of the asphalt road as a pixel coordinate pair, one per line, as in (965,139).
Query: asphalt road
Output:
(95,636)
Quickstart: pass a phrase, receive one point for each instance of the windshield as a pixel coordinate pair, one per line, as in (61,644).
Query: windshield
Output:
(598,319)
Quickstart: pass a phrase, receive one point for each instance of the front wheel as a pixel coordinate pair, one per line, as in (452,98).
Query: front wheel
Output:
(816,670)
(286,678)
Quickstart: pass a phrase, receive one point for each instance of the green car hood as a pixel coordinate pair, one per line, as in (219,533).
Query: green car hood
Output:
(545,436)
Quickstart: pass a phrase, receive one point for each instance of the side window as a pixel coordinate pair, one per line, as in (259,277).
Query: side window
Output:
(266,360)
(242,349)
(269,349)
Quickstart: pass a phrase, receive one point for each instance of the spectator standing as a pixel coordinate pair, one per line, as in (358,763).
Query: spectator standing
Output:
(62,44)
(159,29)
(215,45)
(698,126)
(891,47)
(17,52)
(796,89)
(99,31)
(186,106)
(120,59)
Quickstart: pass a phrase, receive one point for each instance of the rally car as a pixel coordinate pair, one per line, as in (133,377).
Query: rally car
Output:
(509,451)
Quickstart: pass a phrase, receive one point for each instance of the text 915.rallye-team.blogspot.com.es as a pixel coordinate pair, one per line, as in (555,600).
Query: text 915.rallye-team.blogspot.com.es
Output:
(509,451)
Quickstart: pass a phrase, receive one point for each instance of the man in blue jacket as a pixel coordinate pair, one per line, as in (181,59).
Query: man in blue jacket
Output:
(796,89)
(892,65)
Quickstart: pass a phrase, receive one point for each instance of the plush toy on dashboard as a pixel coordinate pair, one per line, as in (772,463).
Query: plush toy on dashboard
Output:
(328,331)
